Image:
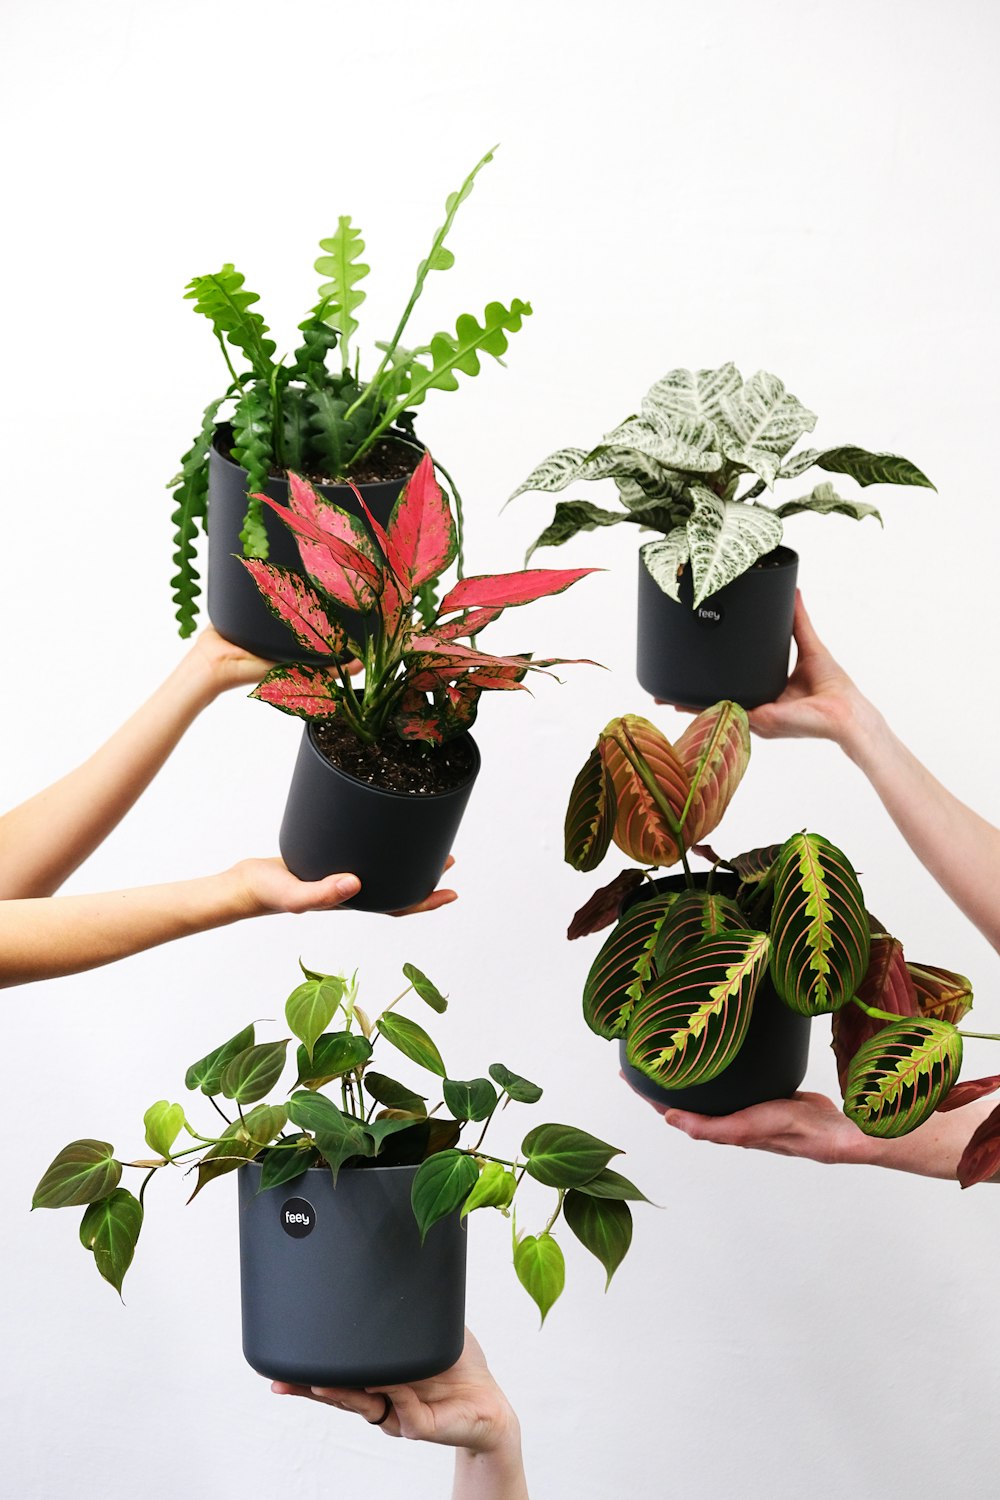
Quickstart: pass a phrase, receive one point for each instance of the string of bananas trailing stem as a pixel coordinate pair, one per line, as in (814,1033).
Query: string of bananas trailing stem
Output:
(375,1121)
(678,465)
(678,975)
(420,682)
(297,412)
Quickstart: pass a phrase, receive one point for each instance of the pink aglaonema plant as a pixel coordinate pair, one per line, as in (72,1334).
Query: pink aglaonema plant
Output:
(422,680)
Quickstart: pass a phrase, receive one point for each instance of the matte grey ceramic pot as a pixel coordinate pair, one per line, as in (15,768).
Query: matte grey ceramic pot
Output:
(772,1061)
(336,1286)
(396,843)
(235,606)
(734,645)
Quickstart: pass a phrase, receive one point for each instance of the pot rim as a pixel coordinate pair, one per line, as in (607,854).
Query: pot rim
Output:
(382,791)
(255,1165)
(374,486)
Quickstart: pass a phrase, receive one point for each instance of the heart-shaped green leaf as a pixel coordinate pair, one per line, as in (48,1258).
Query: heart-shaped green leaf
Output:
(254,1072)
(473,1099)
(495,1188)
(164,1122)
(338,1136)
(517,1088)
(206,1074)
(425,988)
(265,1123)
(110,1229)
(819,926)
(311,1007)
(83,1172)
(233,1148)
(562,1156)
(287,1162)
(413,1041)
(334,1054)
(394,1095)
(441,1185)
(897,1079)
(611,1184)
(602,1225)
(541,1270)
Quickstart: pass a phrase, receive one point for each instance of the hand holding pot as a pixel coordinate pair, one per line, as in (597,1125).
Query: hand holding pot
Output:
(271,887)
(463,1408)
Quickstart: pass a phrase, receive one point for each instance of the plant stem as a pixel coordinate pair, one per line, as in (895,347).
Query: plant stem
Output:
(145,1181)
(980,1036)
(875,1013)
(459,523)
(486,1125)
(556,1212)
(219,1111)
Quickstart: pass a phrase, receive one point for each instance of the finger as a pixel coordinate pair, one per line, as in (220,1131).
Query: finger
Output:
(716,1128)
(803,629)
(361,1403)
(432,902)
(412,1416)
(331,892)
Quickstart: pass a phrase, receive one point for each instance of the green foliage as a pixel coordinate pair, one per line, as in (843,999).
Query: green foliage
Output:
(680,461)
(374,1121)
(297,413)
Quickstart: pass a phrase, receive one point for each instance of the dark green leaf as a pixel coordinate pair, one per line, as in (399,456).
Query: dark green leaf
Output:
(392,1094)
(311,1007)
(206,1074)
(442,1135)
(495,1188)
(590,815)
(338,1136)
(413,1041)
(83,1172)
(871,468)
(254,1072)
(474,1099)
(562,1156)
(519,1089)
(284,1163)
(602,1225)
(388,1125)
(425,988)
(265,1123)
(233,1148)
(610,1184)
(164,1122)
(622,967)
(541,1270)
(110,1229)
(335,1053)
(441,1185)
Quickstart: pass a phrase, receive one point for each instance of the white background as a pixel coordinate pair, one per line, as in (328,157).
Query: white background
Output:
(806,187)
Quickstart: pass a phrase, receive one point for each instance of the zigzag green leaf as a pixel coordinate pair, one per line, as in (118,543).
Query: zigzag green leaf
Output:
(190,489)
(343,265)
(222,299)
(459,353)
(253,449)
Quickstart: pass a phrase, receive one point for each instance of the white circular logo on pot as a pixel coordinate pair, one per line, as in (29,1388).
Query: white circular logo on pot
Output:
(297,1217)
(709,614)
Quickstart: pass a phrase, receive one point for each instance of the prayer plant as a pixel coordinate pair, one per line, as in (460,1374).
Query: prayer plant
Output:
(677,977)
(296,413)
(680,461)
(420,681)
(375,1121)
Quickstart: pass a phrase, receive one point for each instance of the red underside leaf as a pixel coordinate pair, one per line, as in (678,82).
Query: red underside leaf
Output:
(604,905)
(642,831)
(886,986)
(715,752)
(288,596)
(981,1158)
(501,590)
(421,528)
(968,1093)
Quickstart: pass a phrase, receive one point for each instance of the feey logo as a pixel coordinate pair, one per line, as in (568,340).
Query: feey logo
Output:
(710,614)
(297,1217)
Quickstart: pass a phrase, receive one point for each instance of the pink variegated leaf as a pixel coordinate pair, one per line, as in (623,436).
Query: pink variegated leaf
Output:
(421,527)
(397,563)
(394,607)
(501,590)
(341,568)
(419,720)
(332,520)
(468,624)
(306,692)
(288,596)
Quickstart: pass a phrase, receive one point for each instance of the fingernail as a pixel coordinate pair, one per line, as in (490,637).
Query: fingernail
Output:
(348,885)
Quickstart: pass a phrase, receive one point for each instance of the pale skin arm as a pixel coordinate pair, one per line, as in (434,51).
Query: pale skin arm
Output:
(463,1409)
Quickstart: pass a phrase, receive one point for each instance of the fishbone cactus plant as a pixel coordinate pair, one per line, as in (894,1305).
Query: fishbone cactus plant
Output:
(298,414)
(679,463)
(678,976)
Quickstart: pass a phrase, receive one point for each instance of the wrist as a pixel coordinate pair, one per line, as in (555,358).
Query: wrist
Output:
(860,729)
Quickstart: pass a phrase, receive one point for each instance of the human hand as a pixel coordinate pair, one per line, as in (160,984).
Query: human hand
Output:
(820,700)
(228,666)
(463,1408)
(267,886)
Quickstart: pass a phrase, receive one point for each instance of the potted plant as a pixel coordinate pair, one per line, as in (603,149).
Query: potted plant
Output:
(299,413)
(353,1209)
(385,770)
(717,587)
(709,980)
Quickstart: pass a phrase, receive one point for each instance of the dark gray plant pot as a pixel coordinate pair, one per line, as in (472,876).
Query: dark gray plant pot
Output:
(235,606)
(396,843)
(346,1294)
(772,1061)
(735,645)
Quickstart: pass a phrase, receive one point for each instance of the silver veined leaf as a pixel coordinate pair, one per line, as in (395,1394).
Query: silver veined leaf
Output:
(823,500)
(899,1077)
(726,538)
(686,445)
(761,423)
(696,394)
(664,560)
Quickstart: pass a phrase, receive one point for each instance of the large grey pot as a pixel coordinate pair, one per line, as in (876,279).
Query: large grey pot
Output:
(336,1286)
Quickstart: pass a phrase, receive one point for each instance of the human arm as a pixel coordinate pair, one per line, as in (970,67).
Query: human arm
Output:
(46,937)
(959,848)
(48,837)
(463,1409)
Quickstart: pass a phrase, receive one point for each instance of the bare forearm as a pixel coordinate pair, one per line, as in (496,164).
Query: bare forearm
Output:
(45,839)
(931,1151)
(497,1475)
(48,937)
(959,848)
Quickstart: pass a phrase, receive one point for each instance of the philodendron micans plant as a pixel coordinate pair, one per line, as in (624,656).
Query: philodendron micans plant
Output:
(679,464)
(297,413)
(678,975)
(375,1121)
(420,681)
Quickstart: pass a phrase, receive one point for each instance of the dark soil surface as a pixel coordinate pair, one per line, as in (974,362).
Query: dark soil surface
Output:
(391,458)
(396,765)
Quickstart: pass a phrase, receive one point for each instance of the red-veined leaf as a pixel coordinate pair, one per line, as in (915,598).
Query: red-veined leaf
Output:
(694,916)
(687,1027)
(886,986)
(981,1158)
(421,527)
(715,752)
(307,692)
(819,926)
(604,905)
(288,596)
(643,830)
(622,967)
(941,994)
(590,817)
(967,1093)
(501,590)
(756,864)
(898,1078)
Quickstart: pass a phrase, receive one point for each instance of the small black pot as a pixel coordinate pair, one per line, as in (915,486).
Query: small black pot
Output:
(773,1059)
(235,605)
(396,843)
(336,1286)
(734,645)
